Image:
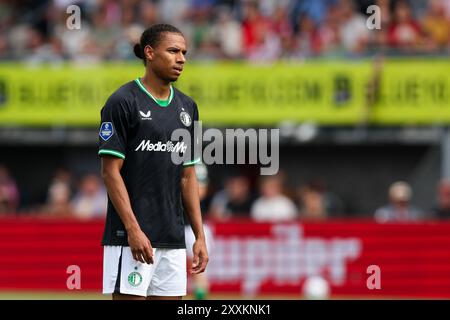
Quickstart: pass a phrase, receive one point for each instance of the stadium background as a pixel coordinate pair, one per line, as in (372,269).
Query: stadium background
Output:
(357,109)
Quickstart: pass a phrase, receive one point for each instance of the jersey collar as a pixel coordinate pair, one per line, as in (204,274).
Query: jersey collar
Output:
(160,102)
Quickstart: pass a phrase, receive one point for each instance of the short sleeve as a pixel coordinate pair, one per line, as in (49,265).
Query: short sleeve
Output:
(193,155)
(114,128)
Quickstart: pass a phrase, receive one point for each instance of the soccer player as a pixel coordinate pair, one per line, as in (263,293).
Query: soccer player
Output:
(144,241)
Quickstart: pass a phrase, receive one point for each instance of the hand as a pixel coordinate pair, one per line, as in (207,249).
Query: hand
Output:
(140,246)
(200,259)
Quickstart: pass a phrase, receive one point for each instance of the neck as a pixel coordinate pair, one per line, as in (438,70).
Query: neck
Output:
(401,205)
(159,88)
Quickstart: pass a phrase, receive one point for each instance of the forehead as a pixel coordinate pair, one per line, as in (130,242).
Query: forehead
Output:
(170,39)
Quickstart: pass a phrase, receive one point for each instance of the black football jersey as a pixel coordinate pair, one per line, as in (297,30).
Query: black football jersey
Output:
(138,128)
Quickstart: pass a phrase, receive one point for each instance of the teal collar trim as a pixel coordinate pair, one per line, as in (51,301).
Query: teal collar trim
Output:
(160,102)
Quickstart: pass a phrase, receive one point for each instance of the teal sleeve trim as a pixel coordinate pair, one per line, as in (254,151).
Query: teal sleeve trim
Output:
(111,152)
(190,163)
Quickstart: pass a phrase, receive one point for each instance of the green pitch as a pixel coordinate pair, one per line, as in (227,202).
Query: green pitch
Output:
(45,295)
(50,295)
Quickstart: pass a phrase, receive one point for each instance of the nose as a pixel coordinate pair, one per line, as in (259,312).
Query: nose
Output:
(181,58)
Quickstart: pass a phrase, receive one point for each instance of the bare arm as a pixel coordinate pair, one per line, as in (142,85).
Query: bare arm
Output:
(139,243)
(191,203)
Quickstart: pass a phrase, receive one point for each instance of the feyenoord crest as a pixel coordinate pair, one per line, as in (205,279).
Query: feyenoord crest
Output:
(185,118)
(135,279)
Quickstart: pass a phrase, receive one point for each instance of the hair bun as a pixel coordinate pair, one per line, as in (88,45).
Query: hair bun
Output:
(137,51)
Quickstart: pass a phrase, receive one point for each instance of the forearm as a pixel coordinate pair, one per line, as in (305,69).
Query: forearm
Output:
(191,203)
(119,197)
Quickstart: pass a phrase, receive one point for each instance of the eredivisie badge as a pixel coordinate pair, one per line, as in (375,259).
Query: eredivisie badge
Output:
(106,130)
(185,118)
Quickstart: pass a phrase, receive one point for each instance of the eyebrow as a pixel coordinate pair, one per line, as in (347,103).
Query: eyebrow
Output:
(177,49)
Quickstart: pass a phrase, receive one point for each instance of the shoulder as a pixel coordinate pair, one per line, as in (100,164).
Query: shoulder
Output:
(384,208)
(123,97)
(284,200)
(384,212)
(184,98)
(259,203)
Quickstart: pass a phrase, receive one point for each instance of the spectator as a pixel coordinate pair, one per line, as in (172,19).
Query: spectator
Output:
(379,39)
(354,33)
(173,11)
(328,35)
(312,204)
(9,193)
(125,40)
(399,209)
(42,51)
(91,199)
(228,34)
(316,203)
(315,9)
(307,41)
(442,208)
(59,194)
(436,26)
(148,13)
(418,7)
(5,53)
(273,206)
(105,31)
(90,54)
(446,5)
(235,200)
(206,47)
(58,201)
(282,27)
(404,32)
(259,42)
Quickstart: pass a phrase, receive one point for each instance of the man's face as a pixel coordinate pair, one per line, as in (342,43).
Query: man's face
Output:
(168,58)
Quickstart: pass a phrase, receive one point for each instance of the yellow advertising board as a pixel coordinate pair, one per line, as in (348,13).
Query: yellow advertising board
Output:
(327,93)
(413,92)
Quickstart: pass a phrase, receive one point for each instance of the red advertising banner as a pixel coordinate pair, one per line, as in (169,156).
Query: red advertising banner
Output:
(413,259)
(355,258)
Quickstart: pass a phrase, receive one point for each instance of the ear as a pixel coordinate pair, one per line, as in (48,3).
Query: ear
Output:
(149,53)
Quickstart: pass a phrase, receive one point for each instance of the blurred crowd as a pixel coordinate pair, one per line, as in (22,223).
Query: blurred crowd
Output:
(273,201)
(84,198)
(270,200)
(254,30)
